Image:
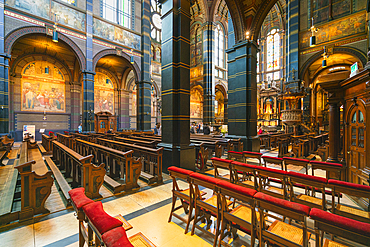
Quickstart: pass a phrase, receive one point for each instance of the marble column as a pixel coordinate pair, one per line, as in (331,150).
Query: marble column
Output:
(176,85)
(334,130)
(242,98)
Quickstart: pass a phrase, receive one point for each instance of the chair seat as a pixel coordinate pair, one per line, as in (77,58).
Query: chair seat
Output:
(244,213)
(213,201)
(116,238)
(275,190)
(310,199)
(287,231)
(354,211)
(187,192)
(330,243)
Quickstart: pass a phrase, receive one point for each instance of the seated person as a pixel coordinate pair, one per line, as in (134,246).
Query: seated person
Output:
(206,129)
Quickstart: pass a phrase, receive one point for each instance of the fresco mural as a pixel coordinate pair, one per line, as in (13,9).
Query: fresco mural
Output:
(43,87)
(336,29)
(196,103)
(111,32)
(34,7)
(219,105)
(103,93)
(68,16)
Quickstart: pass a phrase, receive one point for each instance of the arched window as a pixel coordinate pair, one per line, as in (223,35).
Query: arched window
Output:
(195,46)
(155,22)
(219,47)
(273,54)
(117,11)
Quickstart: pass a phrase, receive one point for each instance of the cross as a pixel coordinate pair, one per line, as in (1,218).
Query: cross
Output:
(292,72)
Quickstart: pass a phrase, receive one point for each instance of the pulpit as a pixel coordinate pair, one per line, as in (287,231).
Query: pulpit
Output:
(105,121)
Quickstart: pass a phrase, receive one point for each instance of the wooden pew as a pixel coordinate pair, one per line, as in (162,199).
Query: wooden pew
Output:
(201,156)
(36,188)
(213,146)
(66,140)
(149,144)
(283,147)
(47,142)
(92,177)
(151,158)
(7,141)
(118,164)
(144,138)
(228,143)
(323,151)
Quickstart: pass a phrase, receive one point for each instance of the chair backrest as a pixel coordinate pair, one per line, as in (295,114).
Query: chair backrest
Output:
(296,162)
(266,175)
(246,170)
(253,155)
(221,163)
(273,160)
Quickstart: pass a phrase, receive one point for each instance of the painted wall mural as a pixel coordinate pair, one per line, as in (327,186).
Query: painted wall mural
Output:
(196,103)
(355,24)
(43,87)
(68,16)
(111,32)
(103,93)
(34,7)
(219,105)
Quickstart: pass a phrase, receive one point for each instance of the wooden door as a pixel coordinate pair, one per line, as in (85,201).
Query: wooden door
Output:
(356,144)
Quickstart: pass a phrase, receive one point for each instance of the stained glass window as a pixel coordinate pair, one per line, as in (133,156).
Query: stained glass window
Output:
(117,11)
(155,22)
(273,50)
(219,46)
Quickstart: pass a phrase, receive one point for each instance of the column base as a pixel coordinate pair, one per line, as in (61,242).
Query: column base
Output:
(180,156)
(251,143)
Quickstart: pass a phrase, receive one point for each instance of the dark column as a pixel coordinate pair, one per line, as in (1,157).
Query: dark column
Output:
(334,131)
(242,98)
(88,103)
(143,120)
(75,105)
(4,102)
(124,118)
(226,118)
(176,85)
(208,78)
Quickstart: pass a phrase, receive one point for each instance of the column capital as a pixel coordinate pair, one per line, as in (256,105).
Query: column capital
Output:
(5,55)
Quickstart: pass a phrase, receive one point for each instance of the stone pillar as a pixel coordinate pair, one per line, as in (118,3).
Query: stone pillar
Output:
(75,105)
(124,118)
(242,98)
(88,123)
(4,85)
(208,77)
(143,121)
(226,114)
(334,130)
(176,85)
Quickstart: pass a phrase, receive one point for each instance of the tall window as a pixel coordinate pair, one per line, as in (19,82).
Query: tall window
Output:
(156,22)
(273,54)
(117,11)
(219,46)
(73,2)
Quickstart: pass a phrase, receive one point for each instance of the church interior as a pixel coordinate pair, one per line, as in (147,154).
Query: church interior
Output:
(170,123)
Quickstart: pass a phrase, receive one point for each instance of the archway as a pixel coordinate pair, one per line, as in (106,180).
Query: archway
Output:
(196,104)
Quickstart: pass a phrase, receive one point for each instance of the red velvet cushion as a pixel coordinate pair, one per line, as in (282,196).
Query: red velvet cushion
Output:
(221,160)
(236,188)
(99,218)
(116,238)
(350,185)
(244,164)
(294,159)
(274,158)
(204,178)
(248,152)
(296,207)
(326,163)
(79,198)
(271,170)
(77,191)
(340,221)
(179,170)
(235,152)
(308,177)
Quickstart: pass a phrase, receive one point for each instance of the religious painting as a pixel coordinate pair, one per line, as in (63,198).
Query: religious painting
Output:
(35,7)
(355,24)
(133,102)
(219,104)
(196,102)
(111,32)
(43,87)
(103,93)
(196,72)
(156,68)
(68,16)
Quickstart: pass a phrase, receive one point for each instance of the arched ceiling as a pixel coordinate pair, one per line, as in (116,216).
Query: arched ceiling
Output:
(115,64)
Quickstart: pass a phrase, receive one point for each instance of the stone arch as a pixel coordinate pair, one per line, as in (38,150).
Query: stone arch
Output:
(12,37)
(220,85)
(254,26)
(110,74)
(107,52)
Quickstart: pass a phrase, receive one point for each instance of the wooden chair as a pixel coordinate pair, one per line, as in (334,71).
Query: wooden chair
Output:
(234,155)
(248,173)
(243,217)
(310,184)
(274,161)
(340,226)
(266,176)
(333,170)
(356,190)
(252,155)
(223,164)
(279,232)
(303,163)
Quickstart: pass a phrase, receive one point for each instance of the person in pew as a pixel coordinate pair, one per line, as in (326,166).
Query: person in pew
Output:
(80,128)
(157,129)
(206,129)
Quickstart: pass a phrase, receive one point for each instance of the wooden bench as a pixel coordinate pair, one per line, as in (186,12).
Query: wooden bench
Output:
(3,155)
(7,141)
(92,177)
(58,176)
(66,140)
(149,144)
(46,142)
(31,144)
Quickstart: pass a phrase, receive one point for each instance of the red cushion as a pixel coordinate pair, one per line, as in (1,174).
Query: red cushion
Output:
(116,238)
(294,159)
(235,152)
(204,178)
(296,207)
(179,170)
(308,177)
(237,188)
(244,164)
(274,158)
(221,160)
(77,191)
(99,218)
(340,221)
(79,198)
(271,170)
(350,185)
(326,163)
(248,152)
